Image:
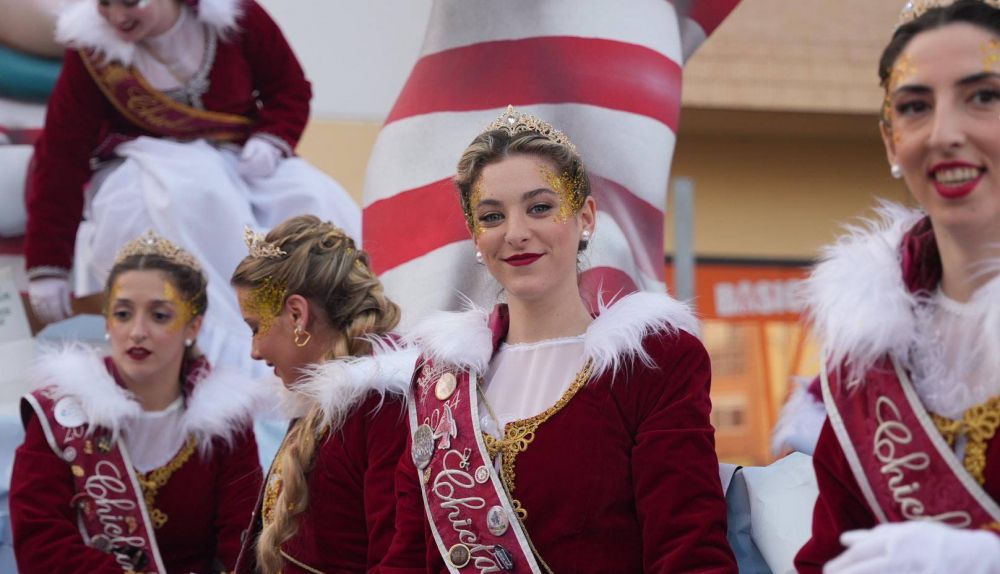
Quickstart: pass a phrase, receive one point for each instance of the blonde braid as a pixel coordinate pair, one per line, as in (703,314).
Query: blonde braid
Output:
(324,266)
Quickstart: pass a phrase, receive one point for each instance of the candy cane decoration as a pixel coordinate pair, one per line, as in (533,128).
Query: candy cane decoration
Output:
(607,73)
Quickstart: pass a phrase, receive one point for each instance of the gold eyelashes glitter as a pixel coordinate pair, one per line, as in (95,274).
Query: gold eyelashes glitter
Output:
(265,302)
(257,246)
(568,188)
(150,243)
(914,9)
(515,122)
(900,70)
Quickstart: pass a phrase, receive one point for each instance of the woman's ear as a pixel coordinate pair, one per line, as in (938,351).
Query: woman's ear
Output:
(297,307)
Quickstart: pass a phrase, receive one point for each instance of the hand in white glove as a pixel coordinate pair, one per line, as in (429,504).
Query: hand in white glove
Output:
(49,298)
(259,158)
(917,547)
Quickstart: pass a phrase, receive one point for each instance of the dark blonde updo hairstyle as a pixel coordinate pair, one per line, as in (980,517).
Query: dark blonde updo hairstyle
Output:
(495,145)
(321,263)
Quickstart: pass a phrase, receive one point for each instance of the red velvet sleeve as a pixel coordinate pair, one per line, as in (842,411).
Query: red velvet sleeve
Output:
(74,124)
(386,439)
(238,481)
(278,77)
(839,508)
(678,494)
(46,537)
(410,548)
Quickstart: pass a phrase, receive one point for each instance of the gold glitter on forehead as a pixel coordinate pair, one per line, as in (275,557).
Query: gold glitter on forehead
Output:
(470,213)
(265,302)
(569,189)
(991,54)
(184,311)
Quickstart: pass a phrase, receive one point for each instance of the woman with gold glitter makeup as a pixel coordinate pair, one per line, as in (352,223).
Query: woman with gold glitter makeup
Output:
(320,319)
(908,309)
(546,436)
(143,459)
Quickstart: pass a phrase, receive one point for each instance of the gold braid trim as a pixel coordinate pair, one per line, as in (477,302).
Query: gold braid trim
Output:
(979,425)
(152,481)
(518,435)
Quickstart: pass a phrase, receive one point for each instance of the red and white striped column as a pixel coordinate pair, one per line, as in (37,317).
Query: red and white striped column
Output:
(605,72)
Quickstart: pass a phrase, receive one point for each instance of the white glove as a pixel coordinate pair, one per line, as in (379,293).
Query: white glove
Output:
(49,298)
(259,158)
(917,547)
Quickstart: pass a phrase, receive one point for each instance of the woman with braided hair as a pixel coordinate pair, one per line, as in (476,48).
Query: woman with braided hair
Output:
(320,319)
(142,459)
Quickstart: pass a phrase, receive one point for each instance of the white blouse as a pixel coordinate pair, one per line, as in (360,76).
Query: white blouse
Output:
(154,437)
(525,379)
(175,55)
(952,355)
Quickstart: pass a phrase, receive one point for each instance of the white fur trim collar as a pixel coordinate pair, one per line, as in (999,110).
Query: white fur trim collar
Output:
(464,339)
(222,403)
(81,26)
(340,385)
(856,298)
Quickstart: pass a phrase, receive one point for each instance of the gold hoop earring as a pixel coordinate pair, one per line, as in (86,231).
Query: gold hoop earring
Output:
(298,333)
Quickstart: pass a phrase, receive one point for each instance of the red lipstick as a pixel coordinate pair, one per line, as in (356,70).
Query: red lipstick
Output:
(138,353)
(522,259)
(959,186)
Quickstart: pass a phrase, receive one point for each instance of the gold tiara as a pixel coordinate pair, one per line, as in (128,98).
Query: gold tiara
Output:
(914,9)
(515,122)
(150,243)
(259,247)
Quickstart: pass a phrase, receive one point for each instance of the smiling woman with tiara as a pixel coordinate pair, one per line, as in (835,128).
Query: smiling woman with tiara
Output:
(142,459)
(908,310)
(546,436)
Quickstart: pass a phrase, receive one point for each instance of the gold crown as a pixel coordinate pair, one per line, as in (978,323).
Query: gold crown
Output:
(259,247)
(515,122)
(150,243)
(914,9)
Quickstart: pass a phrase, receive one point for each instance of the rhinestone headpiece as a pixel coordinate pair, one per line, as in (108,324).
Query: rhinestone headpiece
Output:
(259,247)
(914,9)
(515,122)
(150,243)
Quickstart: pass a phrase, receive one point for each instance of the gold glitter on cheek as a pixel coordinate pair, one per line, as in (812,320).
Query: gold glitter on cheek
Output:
(470,216)
(265,303)
(184,311)
(567,188)
(991,54)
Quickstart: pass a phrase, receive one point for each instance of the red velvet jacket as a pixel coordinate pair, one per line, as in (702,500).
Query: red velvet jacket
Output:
(208,501)
(255,74)
(841,505)
(624,478)
(348,524)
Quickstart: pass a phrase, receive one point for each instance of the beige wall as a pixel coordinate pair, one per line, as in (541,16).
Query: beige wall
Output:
(767,184)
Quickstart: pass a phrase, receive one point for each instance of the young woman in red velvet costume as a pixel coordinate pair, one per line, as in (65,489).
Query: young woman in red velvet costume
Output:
(546,436)
(144,459)
(909,313)
(180,116)
(309,296)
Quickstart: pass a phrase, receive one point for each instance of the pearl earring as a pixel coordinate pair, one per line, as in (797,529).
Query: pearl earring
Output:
(896,171)
(188,342)
(107,336)
(586,235)
(479,257)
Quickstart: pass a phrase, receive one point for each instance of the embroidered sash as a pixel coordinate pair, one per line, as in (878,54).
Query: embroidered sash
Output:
(111,513)
(154,112)
(470,514)
(903,466)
